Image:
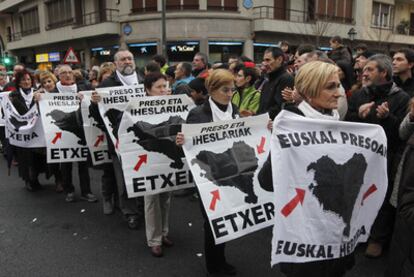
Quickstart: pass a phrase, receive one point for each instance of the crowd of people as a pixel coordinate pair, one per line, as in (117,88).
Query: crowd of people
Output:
(356,86)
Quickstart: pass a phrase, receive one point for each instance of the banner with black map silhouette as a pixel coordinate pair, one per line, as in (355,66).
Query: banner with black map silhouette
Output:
(113,103)
(95,136)
(151,161)
(23,130)
(62,123)
(330,179)
(225,159)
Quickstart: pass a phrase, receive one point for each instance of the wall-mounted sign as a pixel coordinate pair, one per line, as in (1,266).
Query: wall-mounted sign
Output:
(42,58)
(127,29)
(105,52)
(54,57)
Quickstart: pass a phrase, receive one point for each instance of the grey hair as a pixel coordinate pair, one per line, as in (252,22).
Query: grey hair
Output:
(203,57)
(384,63)
(116,56)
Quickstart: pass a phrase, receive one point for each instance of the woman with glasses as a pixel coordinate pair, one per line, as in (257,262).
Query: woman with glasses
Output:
(218,107)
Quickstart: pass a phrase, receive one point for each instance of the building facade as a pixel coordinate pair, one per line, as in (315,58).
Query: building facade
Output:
(40,32)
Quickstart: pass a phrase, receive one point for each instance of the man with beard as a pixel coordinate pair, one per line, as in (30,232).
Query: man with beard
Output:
(402,66)
(382,102)
(112,179)
(67,85)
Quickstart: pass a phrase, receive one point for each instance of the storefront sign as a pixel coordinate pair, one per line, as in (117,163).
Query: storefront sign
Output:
(42,58)
(54,57)
(105,52)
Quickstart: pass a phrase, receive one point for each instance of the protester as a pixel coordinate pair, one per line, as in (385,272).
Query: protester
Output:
(93,76)
(152,67)
(162,62)
(182,76)
(198,91)
(402,68)
(11,86)
(200,67)
(48,85)
(401,256)
(339,51)
(31,161)
(170,74)
(382,102)
(113,185)
(67,84)
(157,206)
(246,97)
(3,80)
(218,107)
(318,84)
(104,73)
(271,100)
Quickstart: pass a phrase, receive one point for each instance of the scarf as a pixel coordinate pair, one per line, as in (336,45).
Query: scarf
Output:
(27,96)
(310,112)
(219,115)
(128,80)
(67,89)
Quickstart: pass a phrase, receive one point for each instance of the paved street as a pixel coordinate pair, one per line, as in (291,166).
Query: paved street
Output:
(41,235)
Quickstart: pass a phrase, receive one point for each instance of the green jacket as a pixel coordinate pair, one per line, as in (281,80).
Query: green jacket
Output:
(248,100)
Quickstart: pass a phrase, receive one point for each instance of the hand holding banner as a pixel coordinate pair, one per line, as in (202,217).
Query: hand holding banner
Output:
(225,158)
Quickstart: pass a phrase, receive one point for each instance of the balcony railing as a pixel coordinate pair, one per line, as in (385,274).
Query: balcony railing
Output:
(107,15)
(14,36)
(270,12)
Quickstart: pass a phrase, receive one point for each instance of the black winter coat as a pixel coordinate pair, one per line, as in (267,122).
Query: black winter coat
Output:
(401,256)
(271,100)
(407,86)
(341,54)
(397,102)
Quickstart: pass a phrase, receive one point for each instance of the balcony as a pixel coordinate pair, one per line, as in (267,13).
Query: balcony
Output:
(9,5)
(107,15)
(103,23)
(269,12)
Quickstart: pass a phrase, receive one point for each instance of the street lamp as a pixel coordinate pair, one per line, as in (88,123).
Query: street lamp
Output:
(352,34)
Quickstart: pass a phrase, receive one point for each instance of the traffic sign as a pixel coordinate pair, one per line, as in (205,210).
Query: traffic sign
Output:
(71,57)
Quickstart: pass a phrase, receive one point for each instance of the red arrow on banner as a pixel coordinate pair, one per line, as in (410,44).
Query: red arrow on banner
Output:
(371,190)
(216,196)
(57,136)
(260,147)
(289,207)
(99,139)
(142,159)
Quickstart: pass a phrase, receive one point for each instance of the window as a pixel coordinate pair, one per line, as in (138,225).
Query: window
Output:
(151,5)
(59,13)
(382,15)
(222,5)
(29,22)
(144,5)
(331,10)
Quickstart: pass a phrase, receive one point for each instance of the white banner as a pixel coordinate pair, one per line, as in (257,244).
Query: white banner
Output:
(3,94)
(61,117)
(23,130)
(330,179)
(225,158)
(151,161)
(94,133)
(113,103)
